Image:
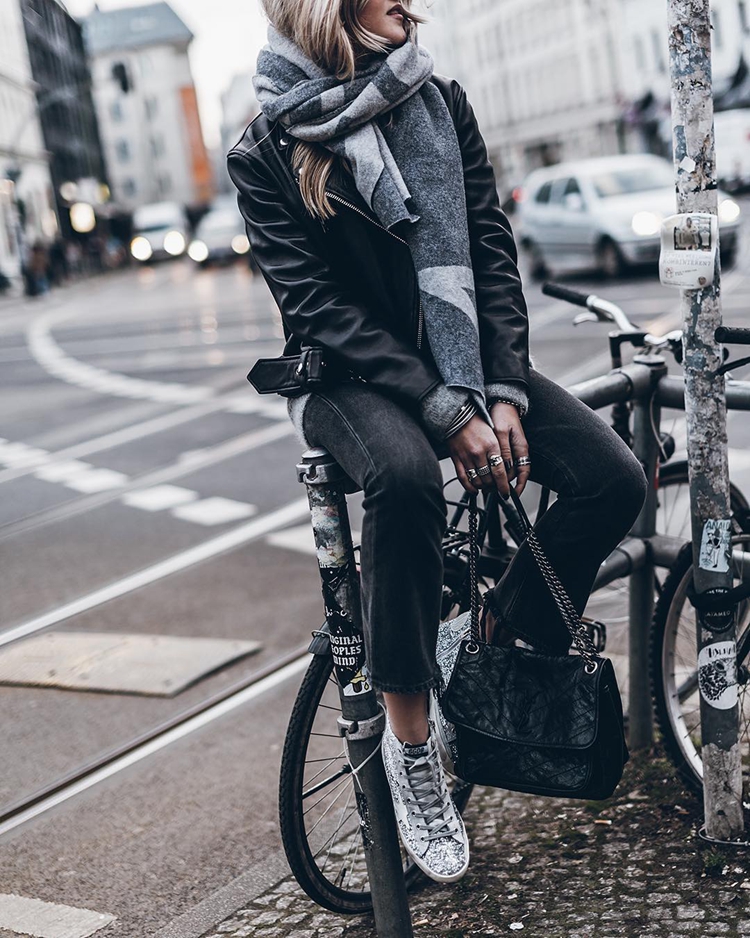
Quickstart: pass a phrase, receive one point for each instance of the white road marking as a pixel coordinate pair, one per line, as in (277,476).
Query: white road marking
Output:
(49,920)
(21,454)
(300,539)
(92,480)
(60,471)
(159,498)
(217,510)
(179,732)
(242,534)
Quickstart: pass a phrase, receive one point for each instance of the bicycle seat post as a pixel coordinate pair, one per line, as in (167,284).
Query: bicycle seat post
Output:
(363,719)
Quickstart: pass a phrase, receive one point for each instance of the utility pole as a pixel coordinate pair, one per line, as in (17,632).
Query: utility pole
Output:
(705,410)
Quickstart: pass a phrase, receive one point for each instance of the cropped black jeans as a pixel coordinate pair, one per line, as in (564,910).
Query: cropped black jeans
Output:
(600,489)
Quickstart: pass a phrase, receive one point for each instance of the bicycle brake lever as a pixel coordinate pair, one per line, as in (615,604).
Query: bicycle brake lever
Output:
(585,317)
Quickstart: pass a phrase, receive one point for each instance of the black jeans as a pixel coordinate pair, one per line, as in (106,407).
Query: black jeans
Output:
(600,489)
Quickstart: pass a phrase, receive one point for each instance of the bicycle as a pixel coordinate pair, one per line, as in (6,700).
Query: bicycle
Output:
(320,822)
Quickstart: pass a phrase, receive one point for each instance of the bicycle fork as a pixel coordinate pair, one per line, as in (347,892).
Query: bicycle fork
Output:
(362,718)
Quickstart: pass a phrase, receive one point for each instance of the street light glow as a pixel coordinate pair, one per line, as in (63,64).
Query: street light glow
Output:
(174,243)
(729,211)
(198,251)
(240,244)
(646,223)
(140,248)
(82,217)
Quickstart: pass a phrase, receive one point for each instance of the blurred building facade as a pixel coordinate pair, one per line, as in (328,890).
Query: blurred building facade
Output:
(238,107)
(147,106)
(552,80)
(27,203)
(59,67)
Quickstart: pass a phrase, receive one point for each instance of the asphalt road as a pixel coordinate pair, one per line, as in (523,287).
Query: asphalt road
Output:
(117,397)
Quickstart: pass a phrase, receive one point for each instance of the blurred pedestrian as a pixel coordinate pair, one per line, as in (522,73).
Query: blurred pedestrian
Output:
(373,214)
(36,270)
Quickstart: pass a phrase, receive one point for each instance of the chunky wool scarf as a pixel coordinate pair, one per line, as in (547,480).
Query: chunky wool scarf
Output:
(407,169)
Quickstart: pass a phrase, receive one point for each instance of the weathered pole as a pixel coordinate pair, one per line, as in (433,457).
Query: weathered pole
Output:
(705,410)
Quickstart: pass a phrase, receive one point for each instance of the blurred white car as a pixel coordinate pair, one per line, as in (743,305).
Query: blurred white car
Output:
(604,213)
(220,236)
(160,230)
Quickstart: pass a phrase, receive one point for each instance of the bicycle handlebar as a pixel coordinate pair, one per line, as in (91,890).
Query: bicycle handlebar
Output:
(733,334)
(563,293)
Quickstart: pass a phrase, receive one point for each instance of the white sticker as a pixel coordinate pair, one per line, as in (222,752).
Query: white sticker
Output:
(688,250)
(716,548)
(359,684)
(717,674)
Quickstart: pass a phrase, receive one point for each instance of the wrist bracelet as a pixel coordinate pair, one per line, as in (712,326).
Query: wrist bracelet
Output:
(504,400)
(464,415)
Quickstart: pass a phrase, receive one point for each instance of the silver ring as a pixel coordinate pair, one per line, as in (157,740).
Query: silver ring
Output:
(495,460)
(484,471)
(472,474)
(522,461)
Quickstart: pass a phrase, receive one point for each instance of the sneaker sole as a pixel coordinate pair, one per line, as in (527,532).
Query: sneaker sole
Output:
(436,877)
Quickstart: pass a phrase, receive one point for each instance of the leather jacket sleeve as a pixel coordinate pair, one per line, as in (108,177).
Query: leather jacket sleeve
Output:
(314,305)
(501,307)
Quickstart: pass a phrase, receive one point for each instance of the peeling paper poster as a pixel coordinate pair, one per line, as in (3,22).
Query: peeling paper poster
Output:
(688,250)
(717,674)
(716,545)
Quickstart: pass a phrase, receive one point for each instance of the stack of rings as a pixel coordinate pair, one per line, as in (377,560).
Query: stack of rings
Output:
(495,460)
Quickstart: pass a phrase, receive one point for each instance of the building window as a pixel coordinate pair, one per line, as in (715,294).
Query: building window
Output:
(129,188)
(115,112)
(157,145)
(640,55)
(152,106)
(165,184)
(122,149)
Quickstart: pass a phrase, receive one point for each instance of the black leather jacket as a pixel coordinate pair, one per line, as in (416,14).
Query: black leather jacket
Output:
(349,285)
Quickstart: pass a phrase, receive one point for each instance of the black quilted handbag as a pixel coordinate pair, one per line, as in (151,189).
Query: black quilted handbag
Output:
(533,722)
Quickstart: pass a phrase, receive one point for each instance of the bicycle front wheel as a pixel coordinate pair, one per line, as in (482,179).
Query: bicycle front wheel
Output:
(318,814)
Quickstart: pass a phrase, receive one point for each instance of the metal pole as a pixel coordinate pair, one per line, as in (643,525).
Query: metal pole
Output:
(705,409)
(641,594)
(362,718)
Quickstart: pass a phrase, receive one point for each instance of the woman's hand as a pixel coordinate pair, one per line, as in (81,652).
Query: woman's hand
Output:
(510,436)
(473,447)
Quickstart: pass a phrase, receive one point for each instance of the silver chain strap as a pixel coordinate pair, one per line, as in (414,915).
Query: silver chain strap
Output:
(567,610)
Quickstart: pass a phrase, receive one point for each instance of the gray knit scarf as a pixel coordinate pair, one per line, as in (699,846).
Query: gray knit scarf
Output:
(407,170)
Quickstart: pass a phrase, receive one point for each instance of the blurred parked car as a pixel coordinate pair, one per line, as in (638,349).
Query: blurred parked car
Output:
(160,230)
(220,236)
(604,213)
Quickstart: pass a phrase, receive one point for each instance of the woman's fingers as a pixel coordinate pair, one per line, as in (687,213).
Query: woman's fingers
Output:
(501,472)
(463,478)
(520,451)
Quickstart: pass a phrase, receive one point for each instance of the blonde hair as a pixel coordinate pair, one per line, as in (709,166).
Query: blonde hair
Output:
(331,34)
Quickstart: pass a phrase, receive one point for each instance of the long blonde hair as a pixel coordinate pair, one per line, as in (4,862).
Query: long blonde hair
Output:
(330,33)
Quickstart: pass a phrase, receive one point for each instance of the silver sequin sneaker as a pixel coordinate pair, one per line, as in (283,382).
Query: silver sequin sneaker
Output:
(445,736)
(431,828)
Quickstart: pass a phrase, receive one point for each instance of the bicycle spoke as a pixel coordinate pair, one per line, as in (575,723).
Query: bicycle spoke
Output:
(326,795)
(341,792)
(345,770)
(320,771)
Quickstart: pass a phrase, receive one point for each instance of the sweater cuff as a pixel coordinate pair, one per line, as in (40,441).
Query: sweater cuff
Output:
(511,391)
(439,407)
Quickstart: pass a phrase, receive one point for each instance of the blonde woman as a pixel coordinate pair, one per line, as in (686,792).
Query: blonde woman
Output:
(372,213)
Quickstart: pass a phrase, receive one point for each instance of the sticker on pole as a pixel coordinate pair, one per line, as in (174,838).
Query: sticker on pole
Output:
(688,250)
(717,674)
(716,545)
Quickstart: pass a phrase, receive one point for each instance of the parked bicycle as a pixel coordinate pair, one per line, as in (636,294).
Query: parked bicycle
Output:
(325,811)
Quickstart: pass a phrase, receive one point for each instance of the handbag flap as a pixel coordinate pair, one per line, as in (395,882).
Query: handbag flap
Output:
(516,695)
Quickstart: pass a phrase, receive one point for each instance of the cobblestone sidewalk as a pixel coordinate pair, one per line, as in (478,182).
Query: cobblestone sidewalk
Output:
(630,867)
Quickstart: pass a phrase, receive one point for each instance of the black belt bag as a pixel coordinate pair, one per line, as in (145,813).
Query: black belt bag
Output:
(289,375)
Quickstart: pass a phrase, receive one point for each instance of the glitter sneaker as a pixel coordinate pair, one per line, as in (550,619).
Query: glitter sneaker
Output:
(445,736)
(430,826)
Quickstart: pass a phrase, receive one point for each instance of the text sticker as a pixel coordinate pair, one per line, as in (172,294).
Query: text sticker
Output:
(717,674)
(688,250)
(716,543)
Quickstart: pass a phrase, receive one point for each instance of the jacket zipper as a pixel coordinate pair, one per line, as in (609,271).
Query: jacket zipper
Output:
(337,198)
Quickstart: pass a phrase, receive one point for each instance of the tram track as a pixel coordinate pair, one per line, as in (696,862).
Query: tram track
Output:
(177,727)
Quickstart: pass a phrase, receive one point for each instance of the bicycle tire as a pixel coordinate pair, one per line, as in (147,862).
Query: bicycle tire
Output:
(294,835)
(677,728)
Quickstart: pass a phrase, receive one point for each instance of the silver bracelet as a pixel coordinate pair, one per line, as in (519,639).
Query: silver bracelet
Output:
(467,411)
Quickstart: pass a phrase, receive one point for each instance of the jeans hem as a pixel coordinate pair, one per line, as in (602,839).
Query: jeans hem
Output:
(429,684)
